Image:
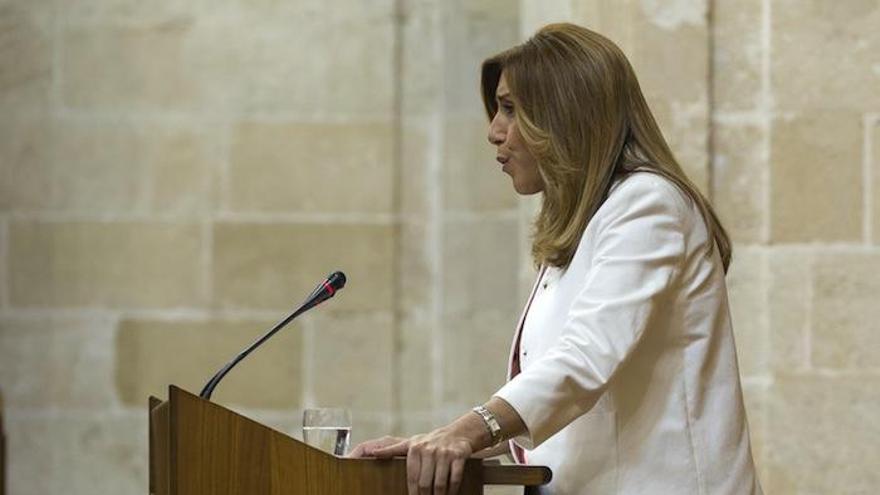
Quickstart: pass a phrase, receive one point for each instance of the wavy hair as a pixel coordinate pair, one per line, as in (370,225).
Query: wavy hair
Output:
(583,116)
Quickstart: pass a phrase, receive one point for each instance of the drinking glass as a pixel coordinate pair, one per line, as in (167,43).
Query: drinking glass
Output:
(328,429)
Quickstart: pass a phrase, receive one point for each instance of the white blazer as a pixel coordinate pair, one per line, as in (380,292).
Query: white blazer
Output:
(629,381)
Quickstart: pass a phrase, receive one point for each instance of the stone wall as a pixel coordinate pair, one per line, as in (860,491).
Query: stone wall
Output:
(174,176)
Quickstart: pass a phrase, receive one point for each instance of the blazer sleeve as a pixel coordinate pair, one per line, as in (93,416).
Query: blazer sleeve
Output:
(637,248)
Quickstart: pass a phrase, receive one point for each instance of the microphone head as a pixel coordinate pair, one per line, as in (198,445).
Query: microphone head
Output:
(336,280)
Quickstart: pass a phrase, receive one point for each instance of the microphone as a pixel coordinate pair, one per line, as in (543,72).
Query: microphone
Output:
(325,290)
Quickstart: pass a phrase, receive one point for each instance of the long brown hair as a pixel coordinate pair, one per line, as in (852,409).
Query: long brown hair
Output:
(583,117)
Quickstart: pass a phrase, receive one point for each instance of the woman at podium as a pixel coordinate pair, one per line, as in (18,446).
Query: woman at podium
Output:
(623,375)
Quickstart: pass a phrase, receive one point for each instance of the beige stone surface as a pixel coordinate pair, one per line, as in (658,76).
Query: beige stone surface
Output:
(846,316)
(790,275)
(322,168)
(105,264)
(472,178)
(739,189)
(668,49)
(151,354)
(26,50)
(140,67)
(685,128)
(183,165)
(737,33)
(108,11)
(419,141)
(26,158)
(276,266)
(480,263)
(475,352)
(415,365)
(343,71)
(414,265)
(824,435)
(350,361)
(875,186)
(77,454)
(57,362)
(672,63)
(422,61)
(843,44)
(747,289)
(816,178)
(473,31)
(54,166)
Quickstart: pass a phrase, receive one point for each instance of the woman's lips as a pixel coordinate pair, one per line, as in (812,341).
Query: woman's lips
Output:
(503,160)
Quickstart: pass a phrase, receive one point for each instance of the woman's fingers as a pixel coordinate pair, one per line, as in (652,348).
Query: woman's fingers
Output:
(398,449)
(441,475)
(456,473)
(369,448)
(358,451)
(413,471)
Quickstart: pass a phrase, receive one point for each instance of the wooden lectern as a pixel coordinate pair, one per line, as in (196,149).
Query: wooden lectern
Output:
(200,448)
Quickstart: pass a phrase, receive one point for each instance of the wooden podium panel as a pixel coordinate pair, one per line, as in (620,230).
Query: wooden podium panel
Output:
(198,447)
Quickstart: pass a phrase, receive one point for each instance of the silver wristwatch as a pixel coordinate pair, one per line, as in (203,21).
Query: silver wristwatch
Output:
(491,423)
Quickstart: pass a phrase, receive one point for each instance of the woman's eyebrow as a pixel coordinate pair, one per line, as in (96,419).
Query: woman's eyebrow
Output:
(503,96)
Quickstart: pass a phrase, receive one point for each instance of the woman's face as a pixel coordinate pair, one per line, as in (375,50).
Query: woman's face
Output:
(512,154)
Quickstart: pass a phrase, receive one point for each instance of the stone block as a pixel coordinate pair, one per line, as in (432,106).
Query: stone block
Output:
(139,67)
(26,48)
(480,267)
(312,167)
(875,186)
(416,365)
(747,289)
(57,362)
(25,161)
(475,353)
(422,62)
(77,454)
(790,274)
(350,361)
(685,126)
(473,31)
(816,178)
(739,185)
(317,10)
(472,179)
(152,354)
(129,11)
(415,271)
(183,166)
(420,162)
(672,62)
(824,435)
(120,167)
(275,266)
(345,71)
(535,15)
(738,52)
(105,264)
(846,316)
(825,80)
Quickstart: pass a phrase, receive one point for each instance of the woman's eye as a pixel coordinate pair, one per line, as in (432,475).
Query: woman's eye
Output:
(508,109)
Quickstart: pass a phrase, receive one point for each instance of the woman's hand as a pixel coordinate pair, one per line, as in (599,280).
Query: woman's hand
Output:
(366,449)
(434,461)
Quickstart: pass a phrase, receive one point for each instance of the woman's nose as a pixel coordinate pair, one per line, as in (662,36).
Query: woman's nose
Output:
(496,132)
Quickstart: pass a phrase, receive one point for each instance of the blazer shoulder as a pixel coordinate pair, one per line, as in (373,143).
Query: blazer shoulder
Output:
(645,190)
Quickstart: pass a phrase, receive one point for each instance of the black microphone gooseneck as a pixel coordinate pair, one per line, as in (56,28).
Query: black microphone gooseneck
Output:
(325,290)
